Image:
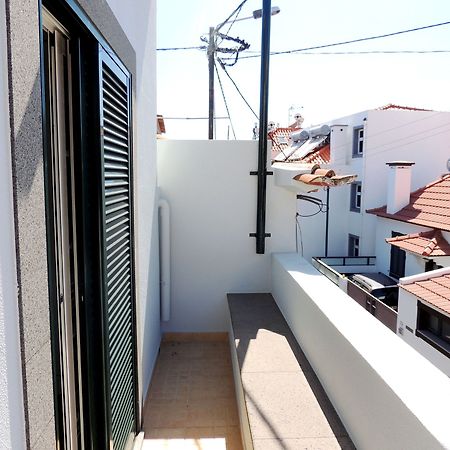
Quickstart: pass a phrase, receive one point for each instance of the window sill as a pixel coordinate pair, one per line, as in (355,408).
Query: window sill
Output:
(437,343)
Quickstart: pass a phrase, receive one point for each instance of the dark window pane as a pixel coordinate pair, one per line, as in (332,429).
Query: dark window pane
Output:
(446,331)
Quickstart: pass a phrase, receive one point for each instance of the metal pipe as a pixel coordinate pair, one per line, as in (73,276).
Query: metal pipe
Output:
(211,53)
(263,115)
(164,258)
(326,223)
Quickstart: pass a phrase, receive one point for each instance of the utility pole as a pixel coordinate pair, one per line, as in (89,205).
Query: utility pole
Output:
(211,54)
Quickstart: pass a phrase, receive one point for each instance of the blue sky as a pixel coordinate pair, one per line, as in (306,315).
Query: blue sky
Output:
(321,87)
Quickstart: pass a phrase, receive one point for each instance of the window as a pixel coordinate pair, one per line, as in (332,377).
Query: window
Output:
(358,142)
(353,245)
(355,197)
(431,265)
(434,328)
(398,257)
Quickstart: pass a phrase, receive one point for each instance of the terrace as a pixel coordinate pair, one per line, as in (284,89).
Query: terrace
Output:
(309,367)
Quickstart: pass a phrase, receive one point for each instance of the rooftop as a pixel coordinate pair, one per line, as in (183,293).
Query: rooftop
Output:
(434,290)
(429,206)
(404,108)
(426,243)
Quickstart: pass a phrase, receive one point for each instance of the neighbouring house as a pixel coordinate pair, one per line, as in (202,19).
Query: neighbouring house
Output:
(413,228)
(361,144)
(424,315)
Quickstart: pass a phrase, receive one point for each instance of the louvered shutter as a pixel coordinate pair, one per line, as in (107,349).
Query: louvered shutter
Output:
(117,251)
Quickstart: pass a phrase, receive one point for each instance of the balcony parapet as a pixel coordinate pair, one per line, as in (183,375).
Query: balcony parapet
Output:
(386,394)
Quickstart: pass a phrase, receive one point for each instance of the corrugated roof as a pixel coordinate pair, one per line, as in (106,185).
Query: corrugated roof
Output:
(429,206)
(434,290)
(427,243)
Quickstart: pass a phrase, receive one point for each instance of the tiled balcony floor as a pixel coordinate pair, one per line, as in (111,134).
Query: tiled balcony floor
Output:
(191,402)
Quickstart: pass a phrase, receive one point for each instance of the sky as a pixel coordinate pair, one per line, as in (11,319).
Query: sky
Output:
(321,87)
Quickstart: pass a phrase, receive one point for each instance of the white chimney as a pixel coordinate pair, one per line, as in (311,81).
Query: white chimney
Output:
(399,185)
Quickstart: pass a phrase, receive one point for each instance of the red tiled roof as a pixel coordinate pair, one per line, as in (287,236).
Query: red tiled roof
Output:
(324,178)
(435,291)
(427,243)
(429,206)
(160,126)
(280,139)
(320,156)
(405,108)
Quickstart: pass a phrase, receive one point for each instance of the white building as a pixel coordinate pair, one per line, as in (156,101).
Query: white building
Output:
(361,144)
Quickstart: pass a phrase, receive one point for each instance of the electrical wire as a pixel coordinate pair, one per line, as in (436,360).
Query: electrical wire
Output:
(231,15)
(297,233)
(315,201)
(352,41)
(224,100)
(238,90)
(235,18)
(169,49)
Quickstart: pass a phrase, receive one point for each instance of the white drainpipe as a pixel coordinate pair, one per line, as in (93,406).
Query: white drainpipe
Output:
(164,258)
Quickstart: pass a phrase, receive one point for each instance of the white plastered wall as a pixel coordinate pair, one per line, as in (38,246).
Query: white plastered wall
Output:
(138,20)
(212,197)
(12,424)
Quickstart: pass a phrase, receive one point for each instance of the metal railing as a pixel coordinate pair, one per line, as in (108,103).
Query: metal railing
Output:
(347,260)
(326,270)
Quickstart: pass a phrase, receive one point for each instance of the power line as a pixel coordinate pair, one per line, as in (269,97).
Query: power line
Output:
(371,52)
(168,49)
(238,90)
(352,41)
(224,100)
(239,10)
(231,15)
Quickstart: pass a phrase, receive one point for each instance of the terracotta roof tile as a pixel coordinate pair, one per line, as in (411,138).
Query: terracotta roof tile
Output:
(280,138)
(435,291)
(320,156)
(429,206)
(406,108)
(427,243)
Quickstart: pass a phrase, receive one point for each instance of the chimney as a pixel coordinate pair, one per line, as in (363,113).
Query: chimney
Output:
(399,185)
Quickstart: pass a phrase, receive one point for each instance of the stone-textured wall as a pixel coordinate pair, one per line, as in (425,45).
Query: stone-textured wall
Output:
(29,204)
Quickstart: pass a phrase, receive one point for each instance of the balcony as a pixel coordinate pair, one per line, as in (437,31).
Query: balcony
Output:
(360,384)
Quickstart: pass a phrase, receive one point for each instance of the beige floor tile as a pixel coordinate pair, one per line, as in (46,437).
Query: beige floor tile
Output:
(191,398)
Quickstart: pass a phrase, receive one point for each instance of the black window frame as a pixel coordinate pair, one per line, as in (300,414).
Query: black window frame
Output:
(358,142)
(354,243)
(397,260)
(434,338)
(354,195)
(85,43)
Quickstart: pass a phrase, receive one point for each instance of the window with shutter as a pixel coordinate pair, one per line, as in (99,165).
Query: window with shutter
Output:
(118,249)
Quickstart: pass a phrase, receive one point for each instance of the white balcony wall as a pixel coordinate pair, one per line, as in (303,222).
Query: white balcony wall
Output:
(212,198)
(371,376)
(138,20)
